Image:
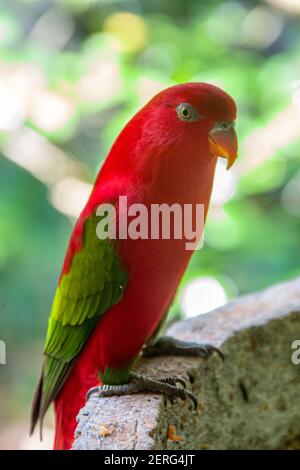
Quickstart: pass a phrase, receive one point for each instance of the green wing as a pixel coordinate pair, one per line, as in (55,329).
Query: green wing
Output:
(95,282)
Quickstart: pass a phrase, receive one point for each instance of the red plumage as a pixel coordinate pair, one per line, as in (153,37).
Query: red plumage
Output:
(157,158)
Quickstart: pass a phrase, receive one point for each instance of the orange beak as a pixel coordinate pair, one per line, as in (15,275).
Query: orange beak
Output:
(223,143)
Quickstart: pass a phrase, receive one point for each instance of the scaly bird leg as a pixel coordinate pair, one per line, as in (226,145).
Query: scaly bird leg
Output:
(169,346)
(140,383)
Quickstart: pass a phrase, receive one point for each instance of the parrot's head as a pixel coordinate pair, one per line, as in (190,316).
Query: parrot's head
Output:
(199,113)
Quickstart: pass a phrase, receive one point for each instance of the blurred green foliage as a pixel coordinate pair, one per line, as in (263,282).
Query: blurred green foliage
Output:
(73,72)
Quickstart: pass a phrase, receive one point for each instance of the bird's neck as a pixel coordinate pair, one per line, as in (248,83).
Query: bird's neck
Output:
(185,176)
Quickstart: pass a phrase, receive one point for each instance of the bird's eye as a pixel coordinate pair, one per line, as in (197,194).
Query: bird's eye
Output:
(187,112)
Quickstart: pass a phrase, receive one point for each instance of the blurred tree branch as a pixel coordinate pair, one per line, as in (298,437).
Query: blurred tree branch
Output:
(290,7)
(263,143)
(65,177)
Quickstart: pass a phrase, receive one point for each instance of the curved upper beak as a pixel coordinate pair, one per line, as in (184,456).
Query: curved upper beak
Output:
(223,143)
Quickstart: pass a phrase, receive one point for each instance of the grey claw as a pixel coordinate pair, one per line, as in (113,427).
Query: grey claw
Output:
(181,381)
(212,349)
(193,398)
(91,392)
(174,380)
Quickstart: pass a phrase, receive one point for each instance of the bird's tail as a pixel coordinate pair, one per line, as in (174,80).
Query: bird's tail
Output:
(65,424)
(67,406)
(68,401)
(36,406)
(43,398)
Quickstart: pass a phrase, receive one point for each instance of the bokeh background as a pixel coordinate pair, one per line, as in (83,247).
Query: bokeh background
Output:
(71,73)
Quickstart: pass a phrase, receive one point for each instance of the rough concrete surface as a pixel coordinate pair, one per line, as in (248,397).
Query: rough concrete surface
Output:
(250,401)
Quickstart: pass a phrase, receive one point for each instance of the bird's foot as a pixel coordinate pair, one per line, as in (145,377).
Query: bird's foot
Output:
(140,383)
(169,346)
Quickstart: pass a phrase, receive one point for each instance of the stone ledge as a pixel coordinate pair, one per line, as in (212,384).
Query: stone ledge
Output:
(251,401)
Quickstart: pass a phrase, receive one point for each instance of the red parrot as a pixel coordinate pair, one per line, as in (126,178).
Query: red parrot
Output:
(113,295)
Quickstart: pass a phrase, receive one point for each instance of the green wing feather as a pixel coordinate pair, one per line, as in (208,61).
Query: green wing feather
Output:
(95,282)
